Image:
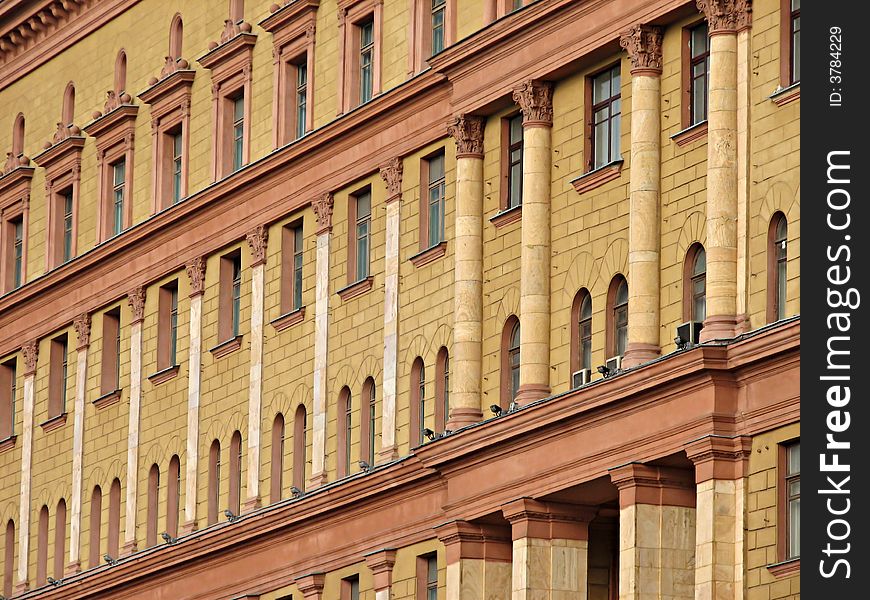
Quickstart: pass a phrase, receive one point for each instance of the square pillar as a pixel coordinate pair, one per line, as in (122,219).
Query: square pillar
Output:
(478,561)
(311,586)
(381,564)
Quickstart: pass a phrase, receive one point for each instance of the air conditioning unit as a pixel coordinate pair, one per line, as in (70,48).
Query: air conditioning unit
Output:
(688,334)
(613,364)
(580,377)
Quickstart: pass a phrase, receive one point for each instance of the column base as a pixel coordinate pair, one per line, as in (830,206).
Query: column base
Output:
(461,417)
(318,480)
(637,354)
(743,324)
(128,548)
(720,327)
(529,392)
(187,527)
(73,568)
(387,455)
(251,504)
(21,587)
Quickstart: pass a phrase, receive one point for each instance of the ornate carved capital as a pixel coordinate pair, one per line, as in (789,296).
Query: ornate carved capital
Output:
(536,101)
(136,299)
(391,173)
(257,240)
(644,46)
(322,206)
(82,324)
(196,273)
(726,16)
(467,131)
(30,352)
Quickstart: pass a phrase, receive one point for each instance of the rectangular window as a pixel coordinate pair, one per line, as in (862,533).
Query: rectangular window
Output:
(7,399)
(110,368)
(62,227)
(17,227)
(361,205)
(795,21)
(67,225)
(238,131)
(512,155)
(366,60)
(118,175)
(605,117)
(350,588)
(230,296)
(790,501)
(176,167)
(167,332)
(57,376)
(699,73)
(427,577)
(301,96)
(439,13)
(291,268)
(435,195)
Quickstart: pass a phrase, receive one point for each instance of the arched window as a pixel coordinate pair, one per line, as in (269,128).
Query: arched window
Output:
(418,402)
(42,547)
(300,425)
(114,518)
(442,389)
(8,558)
(617,317)
(695,284)
(121,72)
(153,498)
(59,538)
(214,481)
(235,496)
(777,269)
(176,34)
(18,135)
(95,524)
(581,331)
(277,477)
(173,496)
(367,426)
(345,426)
(510,361)
(69,104)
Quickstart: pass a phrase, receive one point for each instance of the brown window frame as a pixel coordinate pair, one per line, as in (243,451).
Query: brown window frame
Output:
(354,222)
(784,498)
(230,292)
(787,44)
(60,519)
(167,326)
(214,482)
(95,527)
(687,112)
(58,376)
(13,246)
(276,479)
(63,188)
(42,547)
(417,388)
(347,588)
(9,558)
(579,325)
(507,393)
(423,582)
(442,389)
(589,112)
(368,421)
(424,34)
(345,429)
(614,316)
(292,266)
(508,147)
(426,187)
(234,497)
(8,396)
(300,428)
(110,361)
(173,495)
(777,258)
(352,14)
(690,279)
(113,541)
(153,506)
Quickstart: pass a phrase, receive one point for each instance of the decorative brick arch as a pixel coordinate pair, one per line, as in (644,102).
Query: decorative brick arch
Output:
(159,452)
(220,430)
(581,273)
(509,305)
(97,475)
(779,197)
(614,261)
(694,230)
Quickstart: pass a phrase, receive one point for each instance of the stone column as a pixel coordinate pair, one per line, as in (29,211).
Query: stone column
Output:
(724,17)
(311,586)
(381,564)
(136,299)
(257,240)
(196,274)
(656,532)
(30,352)
(322,206)
(644,46)
(392,176)
(82,325)
(478,560)
(536,101)
(744,71)
(720,470)
(467,361)
(550,549)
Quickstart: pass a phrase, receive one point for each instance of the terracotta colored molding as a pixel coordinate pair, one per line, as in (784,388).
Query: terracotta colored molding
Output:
(11,184)
(257,240)
(786,95)
(535,99)
(136,300)
(660,486)
(107,399)
(164,375)
(506,217)
(786,568)
(381,564)
(600,176)
(227,347)
(30,353)
(82,325)
(8,443)
(465,540)
(548,520)
(644,46)
(429,255)
(196,273)
(53,423)
(289,319)
(311,585)
(720,457)
(467,131)
(690,134)
(391,173)
(356,289)
(726,16)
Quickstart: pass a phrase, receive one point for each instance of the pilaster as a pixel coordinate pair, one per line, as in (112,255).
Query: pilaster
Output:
(322,206)
(136,300)
(82,325)
(30,352)
(196,274)
(257,240)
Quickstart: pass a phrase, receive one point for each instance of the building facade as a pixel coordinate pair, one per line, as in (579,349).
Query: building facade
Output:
(400,299)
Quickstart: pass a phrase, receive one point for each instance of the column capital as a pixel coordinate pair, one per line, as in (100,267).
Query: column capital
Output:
(531,518)
(644,46)
(462,539)
(136,300)
(322,206)
(467,131)
(391,173)
(719,457)
(257,240)
(381,564)
(196,273)
(726,16)
(30,352)
(660,486)
(82,324)
(535,98)
(311,585)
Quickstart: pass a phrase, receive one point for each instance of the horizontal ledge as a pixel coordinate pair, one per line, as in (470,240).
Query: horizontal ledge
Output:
(53,423)
(8,443)
(227,347)
(787,94)
(164,375)
(356,289)
(289,319)
(596,177)
(785,568)
(429,254)
(507,216)
(691,133)
(107,399)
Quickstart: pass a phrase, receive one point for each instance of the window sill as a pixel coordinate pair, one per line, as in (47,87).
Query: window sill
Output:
(600,176)
(289,319)
(227,347)
(785,568)
(429,255)
(8,443)
(356,289)
(164,375)
(107,399)
(690,134)
(53,423)
(507,216)
(787,94)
